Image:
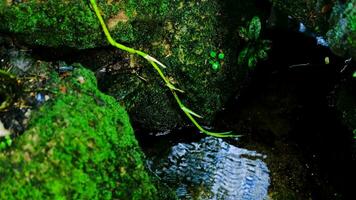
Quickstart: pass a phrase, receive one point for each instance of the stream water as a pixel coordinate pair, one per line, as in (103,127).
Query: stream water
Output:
(214,169)
(287,114)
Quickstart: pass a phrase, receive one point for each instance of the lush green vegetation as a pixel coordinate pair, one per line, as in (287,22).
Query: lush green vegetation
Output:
(72,23)
(80,145)
(157,65)
(256,48)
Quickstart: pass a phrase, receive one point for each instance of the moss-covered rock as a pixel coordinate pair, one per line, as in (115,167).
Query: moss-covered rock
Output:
(342,35)
(79,146)
(336,20)
(55,23)
(181,34)
(184,42)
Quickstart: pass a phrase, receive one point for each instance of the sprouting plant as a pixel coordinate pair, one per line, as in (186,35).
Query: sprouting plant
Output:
(157,65)
(216,60)
(256,48)
(5,142)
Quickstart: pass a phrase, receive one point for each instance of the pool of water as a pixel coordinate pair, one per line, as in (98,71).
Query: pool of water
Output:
(214,169)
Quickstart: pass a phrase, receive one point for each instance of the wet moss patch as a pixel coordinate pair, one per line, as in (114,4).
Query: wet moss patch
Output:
(79,146)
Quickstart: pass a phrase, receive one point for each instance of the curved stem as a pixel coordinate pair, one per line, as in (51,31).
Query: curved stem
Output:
(156,65)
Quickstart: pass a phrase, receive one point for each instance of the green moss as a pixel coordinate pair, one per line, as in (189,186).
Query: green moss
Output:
(342,36)
(78,146)
(183,41)
(178,33)
(73,24)
(313,13)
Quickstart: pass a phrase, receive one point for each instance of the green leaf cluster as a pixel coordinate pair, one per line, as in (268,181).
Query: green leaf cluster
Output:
(216,60)
(5,142)
(256,48)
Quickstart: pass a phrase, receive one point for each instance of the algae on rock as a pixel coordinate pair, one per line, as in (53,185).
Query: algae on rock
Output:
(78,146)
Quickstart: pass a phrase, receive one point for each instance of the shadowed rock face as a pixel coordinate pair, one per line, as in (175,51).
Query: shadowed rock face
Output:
(214,169)
(333,19)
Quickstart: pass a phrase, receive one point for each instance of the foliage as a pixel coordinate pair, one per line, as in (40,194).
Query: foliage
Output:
(256,48)
(78,146)
(181,33)
(216,60)
(5,142)
(157,65)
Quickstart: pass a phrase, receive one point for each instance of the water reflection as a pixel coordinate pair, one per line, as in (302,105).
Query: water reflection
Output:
(214,169)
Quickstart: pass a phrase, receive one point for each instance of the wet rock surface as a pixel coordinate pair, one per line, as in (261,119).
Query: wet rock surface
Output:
(214,169)
(28,89)
(334,20)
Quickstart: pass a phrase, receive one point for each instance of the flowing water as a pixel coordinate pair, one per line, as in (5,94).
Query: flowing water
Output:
(214,169)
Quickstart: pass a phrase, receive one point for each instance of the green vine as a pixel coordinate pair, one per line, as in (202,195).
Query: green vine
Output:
(156,65)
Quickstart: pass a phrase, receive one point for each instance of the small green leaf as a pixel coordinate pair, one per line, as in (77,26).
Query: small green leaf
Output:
(242,56)
(8,140)
(2,145)
(262,54)
(254,28)
(221,56)
(185,109)
(216,65)
(243,33)
(252,61)
(354,75)
(213,54)
(266,45)
(174,88)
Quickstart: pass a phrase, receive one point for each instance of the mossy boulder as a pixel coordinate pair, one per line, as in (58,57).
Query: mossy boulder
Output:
(80,145)
(335,20)
(72,24)
(342,35)
(184,41)
(181,34)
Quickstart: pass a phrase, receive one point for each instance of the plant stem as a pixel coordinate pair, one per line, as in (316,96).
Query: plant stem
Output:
(155,63)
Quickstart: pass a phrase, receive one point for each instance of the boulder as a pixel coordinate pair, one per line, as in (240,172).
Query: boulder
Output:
(79,145)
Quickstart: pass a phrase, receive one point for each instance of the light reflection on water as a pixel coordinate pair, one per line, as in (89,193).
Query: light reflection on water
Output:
(214,169)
